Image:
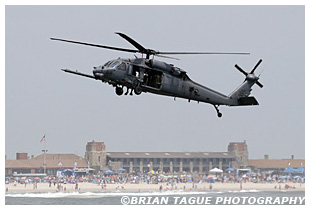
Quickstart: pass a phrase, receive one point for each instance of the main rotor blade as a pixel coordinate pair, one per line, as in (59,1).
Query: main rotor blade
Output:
(162,56)
(198,53)
(133,42)
(255,67)
(240,69)
(97,45)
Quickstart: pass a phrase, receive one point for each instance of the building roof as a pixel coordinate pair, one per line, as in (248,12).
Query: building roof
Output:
(169,155)
(57,157)
(283,163)
(52,161)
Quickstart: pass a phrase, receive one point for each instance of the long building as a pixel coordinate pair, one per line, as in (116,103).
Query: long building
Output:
(35,165)
(169,162)
(269,166)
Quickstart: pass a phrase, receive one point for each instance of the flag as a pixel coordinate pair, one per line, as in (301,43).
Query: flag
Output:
(43,138)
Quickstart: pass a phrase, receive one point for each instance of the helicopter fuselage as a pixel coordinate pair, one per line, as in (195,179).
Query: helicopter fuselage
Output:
(148,75)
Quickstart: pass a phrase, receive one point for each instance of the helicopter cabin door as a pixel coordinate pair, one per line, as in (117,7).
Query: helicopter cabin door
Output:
(153,79)
(134,70)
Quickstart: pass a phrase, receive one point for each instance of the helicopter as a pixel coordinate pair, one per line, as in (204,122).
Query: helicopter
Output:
(153,76)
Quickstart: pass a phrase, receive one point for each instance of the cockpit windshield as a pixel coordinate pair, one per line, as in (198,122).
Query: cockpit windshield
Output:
(112,64)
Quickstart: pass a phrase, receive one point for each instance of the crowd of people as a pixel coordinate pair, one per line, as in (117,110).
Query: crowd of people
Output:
(122,178)
(162,182)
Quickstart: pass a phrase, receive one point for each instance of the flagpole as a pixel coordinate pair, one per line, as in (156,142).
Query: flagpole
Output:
(44,166)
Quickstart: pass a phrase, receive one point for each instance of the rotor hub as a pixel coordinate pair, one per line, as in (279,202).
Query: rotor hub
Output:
(251,77)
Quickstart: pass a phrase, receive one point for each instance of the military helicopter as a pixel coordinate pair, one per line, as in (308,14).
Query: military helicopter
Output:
(149,75)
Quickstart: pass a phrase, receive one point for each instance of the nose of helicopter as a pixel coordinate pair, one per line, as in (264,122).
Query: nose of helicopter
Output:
(98,73)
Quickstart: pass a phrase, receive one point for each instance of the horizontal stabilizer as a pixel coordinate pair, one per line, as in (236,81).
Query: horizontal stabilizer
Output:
(247,101)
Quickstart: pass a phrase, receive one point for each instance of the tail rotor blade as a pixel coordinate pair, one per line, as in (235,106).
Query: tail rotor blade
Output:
(255,67)
(259,84)
(240,69)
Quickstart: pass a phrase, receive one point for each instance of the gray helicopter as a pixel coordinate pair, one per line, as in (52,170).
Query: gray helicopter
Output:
(149,75)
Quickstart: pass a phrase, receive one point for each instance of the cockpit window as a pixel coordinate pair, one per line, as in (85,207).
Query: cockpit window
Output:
(114,64)
(122,67)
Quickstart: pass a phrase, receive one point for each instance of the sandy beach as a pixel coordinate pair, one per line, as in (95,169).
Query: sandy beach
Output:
(143,187)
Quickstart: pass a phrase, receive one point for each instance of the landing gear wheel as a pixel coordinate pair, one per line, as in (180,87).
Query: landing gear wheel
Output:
(119,91)
(138,90)
(218,112)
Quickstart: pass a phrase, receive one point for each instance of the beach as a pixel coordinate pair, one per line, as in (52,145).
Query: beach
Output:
(144,187)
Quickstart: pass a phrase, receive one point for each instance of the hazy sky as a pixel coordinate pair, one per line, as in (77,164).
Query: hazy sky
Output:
(71,110)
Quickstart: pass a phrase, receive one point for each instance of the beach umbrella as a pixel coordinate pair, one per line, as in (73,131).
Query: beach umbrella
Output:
(216,170)
(289,170)
(121,169)
(297,177)
(283,177)
(229,169)
(299,170)
(108,172)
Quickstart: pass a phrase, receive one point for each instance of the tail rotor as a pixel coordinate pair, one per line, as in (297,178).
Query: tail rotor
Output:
(251,76)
